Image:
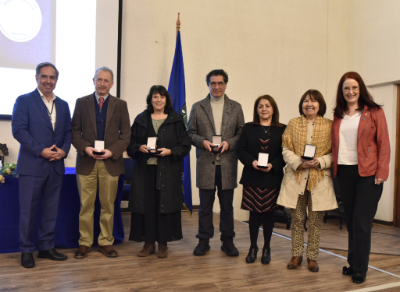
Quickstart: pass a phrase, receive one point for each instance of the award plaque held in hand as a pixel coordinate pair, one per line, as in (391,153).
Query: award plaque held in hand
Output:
(309,152)
(152,142)
(262,160)
(216,140)
(98,145)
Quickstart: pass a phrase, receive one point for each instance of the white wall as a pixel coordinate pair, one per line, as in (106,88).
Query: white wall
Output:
(374,40)
(373,51)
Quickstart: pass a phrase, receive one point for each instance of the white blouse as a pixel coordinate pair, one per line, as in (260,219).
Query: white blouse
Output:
(348,134)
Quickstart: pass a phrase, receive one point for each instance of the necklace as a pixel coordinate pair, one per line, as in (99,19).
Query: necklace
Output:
(265,131)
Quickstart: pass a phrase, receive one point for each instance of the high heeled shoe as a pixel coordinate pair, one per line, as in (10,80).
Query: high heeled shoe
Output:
(266,256)
(252,255)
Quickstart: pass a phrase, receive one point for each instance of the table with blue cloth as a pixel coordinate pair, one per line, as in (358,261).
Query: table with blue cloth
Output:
(67,227)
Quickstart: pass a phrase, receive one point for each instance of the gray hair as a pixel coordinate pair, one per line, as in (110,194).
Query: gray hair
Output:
(45,64)
(104,68)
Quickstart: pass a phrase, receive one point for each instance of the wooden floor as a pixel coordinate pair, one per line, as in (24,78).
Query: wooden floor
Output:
(182,271)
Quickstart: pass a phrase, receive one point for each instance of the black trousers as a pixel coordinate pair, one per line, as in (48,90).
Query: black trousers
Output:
(207,198)
(360,197)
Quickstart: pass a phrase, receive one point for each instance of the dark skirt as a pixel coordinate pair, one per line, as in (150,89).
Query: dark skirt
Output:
(154,226)
(259,201)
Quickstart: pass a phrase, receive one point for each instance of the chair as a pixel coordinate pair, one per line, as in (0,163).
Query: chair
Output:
(126,193)
(283,216)
(339,212)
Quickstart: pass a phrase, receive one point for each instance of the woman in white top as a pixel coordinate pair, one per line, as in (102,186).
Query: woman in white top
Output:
(361,155)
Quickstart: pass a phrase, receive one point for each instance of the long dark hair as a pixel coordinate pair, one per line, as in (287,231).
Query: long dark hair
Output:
(275,116)
(365,98)
(161,90)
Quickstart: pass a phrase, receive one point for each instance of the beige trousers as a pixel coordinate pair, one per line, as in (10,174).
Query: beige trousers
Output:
(87,186)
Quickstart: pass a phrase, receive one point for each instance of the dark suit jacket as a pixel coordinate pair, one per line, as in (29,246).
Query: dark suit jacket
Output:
(116,137)
(248,149)
(32,128)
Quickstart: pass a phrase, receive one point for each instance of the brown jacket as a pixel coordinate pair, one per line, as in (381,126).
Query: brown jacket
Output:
(116,138)
(373,145)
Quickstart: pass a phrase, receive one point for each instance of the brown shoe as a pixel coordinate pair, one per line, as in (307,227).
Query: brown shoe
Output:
(162,250)
(82,252)
(312,265)
(108,251)
(294,262)
(148,249)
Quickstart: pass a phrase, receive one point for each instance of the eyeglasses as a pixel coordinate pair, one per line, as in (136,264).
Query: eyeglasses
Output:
(347,89)
(214,84)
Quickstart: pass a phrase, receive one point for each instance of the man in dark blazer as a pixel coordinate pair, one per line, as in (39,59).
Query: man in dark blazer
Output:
(102,117)
(41,123)
(216,115)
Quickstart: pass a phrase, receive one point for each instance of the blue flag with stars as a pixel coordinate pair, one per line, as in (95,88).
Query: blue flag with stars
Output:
(176,89)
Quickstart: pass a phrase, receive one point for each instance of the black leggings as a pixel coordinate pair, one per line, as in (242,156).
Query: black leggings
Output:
(267,219)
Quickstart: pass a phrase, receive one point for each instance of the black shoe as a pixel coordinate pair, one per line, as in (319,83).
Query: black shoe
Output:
(358,278)
(202,247)
(51,254)
(27,260)
(266,256)
(228,247)
(252,255)
(347,271)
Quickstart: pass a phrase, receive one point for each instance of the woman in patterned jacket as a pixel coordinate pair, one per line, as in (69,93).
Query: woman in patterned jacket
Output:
(307,183)
(261,185)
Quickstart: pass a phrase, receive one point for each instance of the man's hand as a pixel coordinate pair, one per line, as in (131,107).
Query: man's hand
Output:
(314,163)
(89,151)
(164,152)
(59,154)
(225,146)
(48,153)
(378,181)
(107,154)
(208,145)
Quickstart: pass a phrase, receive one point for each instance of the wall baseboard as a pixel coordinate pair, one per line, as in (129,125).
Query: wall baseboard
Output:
(386,223)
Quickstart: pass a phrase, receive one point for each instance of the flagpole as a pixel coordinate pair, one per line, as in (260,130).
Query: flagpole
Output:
(178,25)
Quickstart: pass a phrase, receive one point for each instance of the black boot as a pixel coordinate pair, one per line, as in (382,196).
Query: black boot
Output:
(202,247)
(266,256)
(252,255)
(228,247)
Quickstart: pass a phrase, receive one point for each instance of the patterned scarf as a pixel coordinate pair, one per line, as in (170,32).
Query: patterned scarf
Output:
(295,137)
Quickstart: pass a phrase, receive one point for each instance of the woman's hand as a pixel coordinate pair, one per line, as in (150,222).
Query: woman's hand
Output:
(314,163)
(143,148)
(378,181)
(164,152)
(269,165)
(255,166)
